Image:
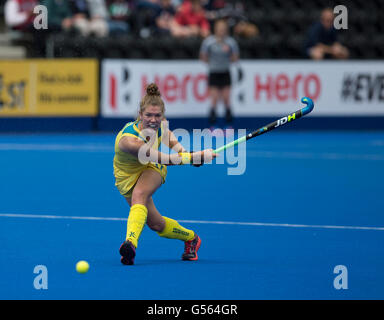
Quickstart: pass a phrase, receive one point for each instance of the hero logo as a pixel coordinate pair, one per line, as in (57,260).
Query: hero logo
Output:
(174,88)
(284,88)
(116,84)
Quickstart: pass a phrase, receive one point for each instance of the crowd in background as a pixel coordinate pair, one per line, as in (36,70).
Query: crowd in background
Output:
(142,18)
(156,18)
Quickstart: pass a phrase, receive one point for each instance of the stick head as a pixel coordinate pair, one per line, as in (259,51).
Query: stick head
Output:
(309,107)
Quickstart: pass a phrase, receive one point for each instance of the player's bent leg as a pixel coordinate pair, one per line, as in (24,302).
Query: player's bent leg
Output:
(149,181)
(127,249)
(173,230)
(146,185)
(192,242)
(155,220)
(135,224)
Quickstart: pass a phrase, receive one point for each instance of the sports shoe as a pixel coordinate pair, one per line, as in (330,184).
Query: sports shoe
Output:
(128,253)
(191,248)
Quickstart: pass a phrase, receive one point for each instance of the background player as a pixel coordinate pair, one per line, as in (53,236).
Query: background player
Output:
(218,51)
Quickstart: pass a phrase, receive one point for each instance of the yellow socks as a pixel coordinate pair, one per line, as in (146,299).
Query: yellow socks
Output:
(173,230)
(136,221)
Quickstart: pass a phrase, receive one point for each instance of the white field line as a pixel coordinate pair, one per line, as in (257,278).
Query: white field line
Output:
(55,147)
(251,153)
(313,155)
(255,224)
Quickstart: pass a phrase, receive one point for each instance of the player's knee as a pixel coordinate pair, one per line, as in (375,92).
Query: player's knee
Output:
(157,227)
(140,196)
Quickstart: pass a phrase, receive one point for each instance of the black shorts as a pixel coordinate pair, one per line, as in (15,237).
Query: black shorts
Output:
(219,79)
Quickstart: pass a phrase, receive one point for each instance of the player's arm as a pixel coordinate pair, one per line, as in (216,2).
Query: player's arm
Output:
(171,142)
(144,153)
(325,48)
(196,158)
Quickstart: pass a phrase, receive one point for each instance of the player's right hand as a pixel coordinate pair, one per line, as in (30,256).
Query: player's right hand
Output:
(205,156)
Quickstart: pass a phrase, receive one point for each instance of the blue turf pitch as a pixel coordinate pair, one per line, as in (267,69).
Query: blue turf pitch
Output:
(297,187)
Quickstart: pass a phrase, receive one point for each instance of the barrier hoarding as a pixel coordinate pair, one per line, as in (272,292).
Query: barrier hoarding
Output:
(52,88)
(260,88)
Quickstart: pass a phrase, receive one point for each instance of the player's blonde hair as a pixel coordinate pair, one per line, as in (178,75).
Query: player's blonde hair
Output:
(153,98)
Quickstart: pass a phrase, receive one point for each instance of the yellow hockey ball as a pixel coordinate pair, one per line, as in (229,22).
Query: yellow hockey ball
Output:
(82,266)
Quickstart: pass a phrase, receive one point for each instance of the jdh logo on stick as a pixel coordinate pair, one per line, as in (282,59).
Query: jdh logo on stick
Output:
(285,120)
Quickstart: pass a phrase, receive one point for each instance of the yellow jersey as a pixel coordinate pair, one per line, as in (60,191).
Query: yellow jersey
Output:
(126,167)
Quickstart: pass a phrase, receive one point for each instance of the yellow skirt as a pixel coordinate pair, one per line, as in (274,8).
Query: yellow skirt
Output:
(126,181)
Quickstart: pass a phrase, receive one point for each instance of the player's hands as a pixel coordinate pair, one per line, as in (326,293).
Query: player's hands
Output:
(201,157)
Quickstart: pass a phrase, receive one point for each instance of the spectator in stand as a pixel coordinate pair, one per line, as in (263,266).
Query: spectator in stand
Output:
(176,3)
(146,15)
(80,12)
(190,21)
(322,41)
(120,16)
(60,17)
(214,10)
(164,17)
(245,29)
(99,17)
(233,11)
(90,17)
(19,14)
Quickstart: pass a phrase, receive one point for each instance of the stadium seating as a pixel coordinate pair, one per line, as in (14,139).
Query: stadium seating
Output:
(283,26)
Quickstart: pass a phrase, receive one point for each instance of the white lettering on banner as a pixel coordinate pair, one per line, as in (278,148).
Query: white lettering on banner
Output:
(265,88)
